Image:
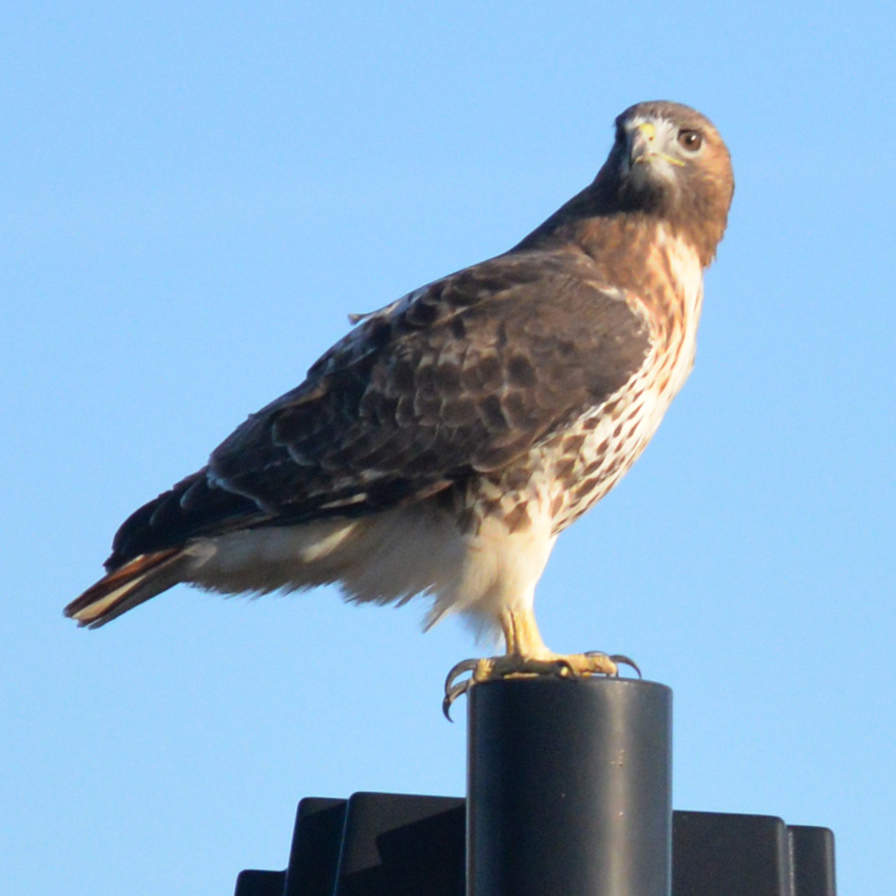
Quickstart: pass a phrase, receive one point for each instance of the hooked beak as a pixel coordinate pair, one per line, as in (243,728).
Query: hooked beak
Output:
(641,142)
(642,146)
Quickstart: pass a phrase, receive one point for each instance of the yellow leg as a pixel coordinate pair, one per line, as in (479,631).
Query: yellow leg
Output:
(521,635)
(527,657)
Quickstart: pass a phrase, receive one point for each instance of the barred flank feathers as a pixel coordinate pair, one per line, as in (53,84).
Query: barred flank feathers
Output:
(138,580)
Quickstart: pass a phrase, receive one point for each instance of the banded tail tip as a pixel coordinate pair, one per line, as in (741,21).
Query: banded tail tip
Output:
(124,588)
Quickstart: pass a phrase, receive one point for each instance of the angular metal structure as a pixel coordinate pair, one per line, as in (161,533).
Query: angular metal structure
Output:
(568,793)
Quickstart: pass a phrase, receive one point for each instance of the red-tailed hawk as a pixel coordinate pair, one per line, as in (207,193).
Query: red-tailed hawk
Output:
(445,442)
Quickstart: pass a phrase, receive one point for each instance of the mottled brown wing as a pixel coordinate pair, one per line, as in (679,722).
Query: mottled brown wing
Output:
(460,377)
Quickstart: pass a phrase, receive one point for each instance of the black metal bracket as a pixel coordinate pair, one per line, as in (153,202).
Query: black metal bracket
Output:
(568,794)
(382,844)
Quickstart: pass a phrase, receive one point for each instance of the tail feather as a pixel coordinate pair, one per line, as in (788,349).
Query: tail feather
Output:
(122,589)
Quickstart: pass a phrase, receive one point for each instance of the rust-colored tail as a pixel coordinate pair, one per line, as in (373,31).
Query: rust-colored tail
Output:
(138,580)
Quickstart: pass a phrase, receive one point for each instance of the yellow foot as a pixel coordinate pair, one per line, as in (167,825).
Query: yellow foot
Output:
(576,665)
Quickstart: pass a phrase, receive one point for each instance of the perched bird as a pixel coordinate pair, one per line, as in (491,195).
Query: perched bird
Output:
(442,445)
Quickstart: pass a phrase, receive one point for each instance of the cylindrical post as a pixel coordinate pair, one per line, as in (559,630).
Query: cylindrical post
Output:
(569,788)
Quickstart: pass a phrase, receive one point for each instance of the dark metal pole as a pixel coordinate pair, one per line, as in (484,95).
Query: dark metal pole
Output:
(569,788)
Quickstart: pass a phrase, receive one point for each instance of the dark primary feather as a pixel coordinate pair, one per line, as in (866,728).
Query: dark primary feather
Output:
(480,367)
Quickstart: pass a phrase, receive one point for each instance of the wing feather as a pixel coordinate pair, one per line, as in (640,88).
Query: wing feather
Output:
(461,377)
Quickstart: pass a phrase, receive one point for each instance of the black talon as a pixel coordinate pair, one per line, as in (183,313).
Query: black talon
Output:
(452,694)
(621,659)
(459,669)
(452,690)
(618,658)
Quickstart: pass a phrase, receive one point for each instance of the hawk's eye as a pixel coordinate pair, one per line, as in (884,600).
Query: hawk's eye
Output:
(690,140)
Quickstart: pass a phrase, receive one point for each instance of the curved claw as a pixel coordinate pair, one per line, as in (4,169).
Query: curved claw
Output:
(452,694)
(454,690)
(459,669)
(619,659)
(622,659)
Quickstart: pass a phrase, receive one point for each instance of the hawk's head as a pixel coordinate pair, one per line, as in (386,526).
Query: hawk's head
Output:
(668,161)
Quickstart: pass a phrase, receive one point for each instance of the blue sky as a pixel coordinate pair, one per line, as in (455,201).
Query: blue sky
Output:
(192,199)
